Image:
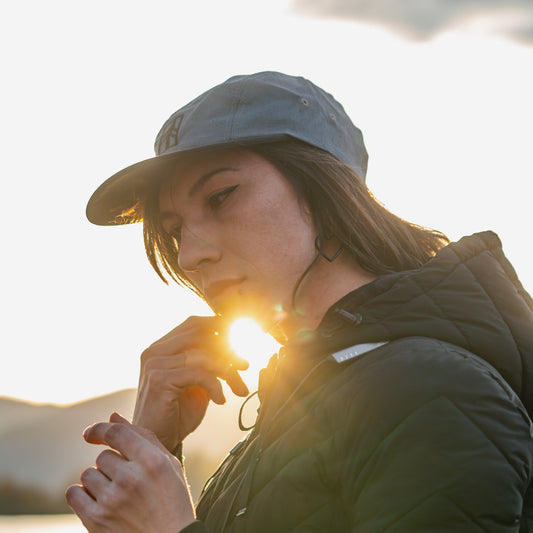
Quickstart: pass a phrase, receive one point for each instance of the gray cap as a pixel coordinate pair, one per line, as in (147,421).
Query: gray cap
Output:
(258,108)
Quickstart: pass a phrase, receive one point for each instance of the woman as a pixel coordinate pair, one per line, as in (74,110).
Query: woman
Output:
(401,398)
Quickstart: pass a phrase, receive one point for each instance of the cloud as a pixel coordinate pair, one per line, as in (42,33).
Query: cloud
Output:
(522,33)
(422,19)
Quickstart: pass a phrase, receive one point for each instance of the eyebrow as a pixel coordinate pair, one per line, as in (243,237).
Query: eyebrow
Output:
(197,186)
(206,177)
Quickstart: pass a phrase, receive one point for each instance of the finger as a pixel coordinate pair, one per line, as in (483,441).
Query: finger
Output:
(193,330)
(229,373)
(194,359)
(143,432)
(236,383)
(189,377)
(109,462)
(117,417)
(118,436)
(199,358)
(176,349)
(238,362)
(218,347)
(176,380)
(210,333)
(94,482)
(79,500)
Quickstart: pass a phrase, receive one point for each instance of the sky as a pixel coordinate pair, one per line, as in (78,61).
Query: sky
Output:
(441,89)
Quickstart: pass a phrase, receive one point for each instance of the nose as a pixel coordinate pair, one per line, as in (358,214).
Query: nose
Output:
(196,250)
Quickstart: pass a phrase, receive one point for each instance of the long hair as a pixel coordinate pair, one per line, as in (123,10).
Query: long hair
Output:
(341,206)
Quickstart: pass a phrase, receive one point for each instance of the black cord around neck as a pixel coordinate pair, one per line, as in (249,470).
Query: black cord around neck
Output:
(300,279)
(319,245)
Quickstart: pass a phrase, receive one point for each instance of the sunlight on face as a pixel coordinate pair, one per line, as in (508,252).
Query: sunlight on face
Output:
(249,341)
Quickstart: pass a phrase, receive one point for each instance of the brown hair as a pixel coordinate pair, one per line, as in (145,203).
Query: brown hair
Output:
(341,205)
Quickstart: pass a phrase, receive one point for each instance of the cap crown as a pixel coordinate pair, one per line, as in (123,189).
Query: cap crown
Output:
(262,107)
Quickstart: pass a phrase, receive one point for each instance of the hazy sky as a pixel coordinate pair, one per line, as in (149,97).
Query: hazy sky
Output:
(447,116)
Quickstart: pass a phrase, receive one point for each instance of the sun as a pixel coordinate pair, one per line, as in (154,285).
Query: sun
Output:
(249,341)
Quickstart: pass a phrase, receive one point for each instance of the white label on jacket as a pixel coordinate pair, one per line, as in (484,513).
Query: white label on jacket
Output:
(353,351)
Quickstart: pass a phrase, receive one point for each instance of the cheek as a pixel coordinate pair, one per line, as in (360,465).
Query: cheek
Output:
(293,231)
(280,239)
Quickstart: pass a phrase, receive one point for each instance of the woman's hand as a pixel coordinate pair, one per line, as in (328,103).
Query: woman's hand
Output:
(136,487)
(180,374)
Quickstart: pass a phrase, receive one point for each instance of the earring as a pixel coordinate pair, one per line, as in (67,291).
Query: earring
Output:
(318,246)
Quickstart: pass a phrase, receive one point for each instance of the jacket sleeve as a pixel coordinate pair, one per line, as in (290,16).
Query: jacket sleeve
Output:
(439,444)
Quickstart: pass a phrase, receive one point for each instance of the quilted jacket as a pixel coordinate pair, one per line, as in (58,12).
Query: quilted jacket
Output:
(428,432)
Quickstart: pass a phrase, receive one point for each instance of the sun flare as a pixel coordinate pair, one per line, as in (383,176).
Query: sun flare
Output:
(249,341)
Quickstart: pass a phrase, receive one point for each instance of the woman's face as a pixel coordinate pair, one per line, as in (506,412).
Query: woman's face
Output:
(244,237)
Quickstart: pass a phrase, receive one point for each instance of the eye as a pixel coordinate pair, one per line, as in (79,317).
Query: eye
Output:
(217,199)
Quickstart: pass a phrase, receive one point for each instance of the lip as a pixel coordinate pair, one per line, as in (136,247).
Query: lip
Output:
(216,288)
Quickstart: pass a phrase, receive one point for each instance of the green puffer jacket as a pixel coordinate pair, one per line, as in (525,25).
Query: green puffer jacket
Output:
(428,432)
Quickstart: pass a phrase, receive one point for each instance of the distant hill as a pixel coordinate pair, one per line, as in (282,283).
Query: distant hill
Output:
(42,446)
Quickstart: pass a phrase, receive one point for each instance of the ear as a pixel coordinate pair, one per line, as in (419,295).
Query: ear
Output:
(306,210)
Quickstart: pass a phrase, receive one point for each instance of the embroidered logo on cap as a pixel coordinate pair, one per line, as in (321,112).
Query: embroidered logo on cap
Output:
(168,137)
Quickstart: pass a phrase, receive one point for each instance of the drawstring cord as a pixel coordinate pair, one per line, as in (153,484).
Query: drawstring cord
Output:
(242,427)
(244,487)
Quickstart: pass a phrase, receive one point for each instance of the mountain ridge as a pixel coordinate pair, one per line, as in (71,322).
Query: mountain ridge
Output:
(42,445)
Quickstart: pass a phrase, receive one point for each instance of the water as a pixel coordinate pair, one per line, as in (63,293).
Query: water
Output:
(41,524)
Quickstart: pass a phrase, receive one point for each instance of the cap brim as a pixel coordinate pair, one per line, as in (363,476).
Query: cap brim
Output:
(119,200)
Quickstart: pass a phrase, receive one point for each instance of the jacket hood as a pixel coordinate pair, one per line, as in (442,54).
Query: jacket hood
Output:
(468,295)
